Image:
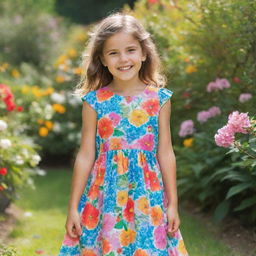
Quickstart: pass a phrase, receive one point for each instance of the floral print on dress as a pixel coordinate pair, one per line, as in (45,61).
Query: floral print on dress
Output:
(124,204)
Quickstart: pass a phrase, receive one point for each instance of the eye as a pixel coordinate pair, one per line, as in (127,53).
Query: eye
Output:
(131,50)
(112,53)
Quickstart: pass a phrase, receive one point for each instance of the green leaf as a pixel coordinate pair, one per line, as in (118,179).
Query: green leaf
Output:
(118,132)
(221,211)
(246,203)
(237,189)
(119,225)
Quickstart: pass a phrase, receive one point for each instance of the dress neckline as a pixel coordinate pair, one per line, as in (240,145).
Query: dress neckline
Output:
(129,96)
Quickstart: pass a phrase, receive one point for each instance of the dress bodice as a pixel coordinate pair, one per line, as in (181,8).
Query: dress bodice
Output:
(127,122)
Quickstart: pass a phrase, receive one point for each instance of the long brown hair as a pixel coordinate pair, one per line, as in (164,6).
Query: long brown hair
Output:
(96,75)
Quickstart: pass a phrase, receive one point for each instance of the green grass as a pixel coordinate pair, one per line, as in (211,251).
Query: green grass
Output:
(44,230)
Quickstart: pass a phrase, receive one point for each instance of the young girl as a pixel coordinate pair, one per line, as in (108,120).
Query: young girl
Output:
(123,196)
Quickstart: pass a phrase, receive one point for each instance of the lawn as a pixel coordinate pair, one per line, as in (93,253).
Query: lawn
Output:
(41,229)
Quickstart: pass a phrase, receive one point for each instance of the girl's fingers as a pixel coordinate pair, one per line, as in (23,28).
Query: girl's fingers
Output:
(78,229)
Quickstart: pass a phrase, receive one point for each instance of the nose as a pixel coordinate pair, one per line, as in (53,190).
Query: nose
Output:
(123,57)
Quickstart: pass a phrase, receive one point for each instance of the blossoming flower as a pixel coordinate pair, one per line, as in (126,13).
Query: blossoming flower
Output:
(203,116)
(3,125)
(186,128)
(218,84)
(244,97)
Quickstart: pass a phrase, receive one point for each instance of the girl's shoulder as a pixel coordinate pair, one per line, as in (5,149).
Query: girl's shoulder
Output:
(164,94)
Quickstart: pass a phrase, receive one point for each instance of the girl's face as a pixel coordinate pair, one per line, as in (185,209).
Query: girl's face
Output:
(123,56)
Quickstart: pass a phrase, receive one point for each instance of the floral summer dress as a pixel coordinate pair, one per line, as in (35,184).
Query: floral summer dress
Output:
(123,206)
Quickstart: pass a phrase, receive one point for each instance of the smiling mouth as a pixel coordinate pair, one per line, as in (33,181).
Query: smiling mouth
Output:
(125,68)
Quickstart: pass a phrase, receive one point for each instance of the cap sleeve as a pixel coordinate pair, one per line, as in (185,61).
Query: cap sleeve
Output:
(164,95)
(91,99)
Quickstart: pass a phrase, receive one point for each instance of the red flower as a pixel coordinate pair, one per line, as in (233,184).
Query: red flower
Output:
(152,1)
(236,80)
(1,188)
(3,171)
(7,97)
(20,108)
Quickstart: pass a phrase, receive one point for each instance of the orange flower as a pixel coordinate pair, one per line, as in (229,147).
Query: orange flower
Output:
(151,106)
(115,143)
(156,215)
(122,197)
(154,182)
(59,108)
(93,192)
(48,124)
(143,205)
(129,210)
(190,69)
(127,237)
(106,246)
(105,127)
(43,131)
(60,79)
(100,176)
(141,159)
(88,252)
(140,252)
(122,163)
(104,94)
(181,247)
(90,216)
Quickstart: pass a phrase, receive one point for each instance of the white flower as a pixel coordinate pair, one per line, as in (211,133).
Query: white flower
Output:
(41,172)
(57,97)
(3,125)
(71,136)
(56,127)
(5,143)
(19,160)
(28,214)
(36,158)
(25,153)
(71,125)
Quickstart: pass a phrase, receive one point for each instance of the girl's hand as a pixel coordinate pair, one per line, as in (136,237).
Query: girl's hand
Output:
(173,220)
(73,226)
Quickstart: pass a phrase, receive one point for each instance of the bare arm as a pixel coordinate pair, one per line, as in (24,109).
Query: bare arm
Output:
(85,156)
(165,155)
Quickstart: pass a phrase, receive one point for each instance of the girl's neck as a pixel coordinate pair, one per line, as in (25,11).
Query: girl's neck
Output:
(126,87)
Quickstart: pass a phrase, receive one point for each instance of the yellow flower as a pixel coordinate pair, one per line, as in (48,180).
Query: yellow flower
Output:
(122,197)
(59,108)
(25,89)
(188,142)
(48,124)
(15,73)
(138,117)
(4,66)
(43,131)
(61,60)
(59,79)
(36,91)
(190,69)
(72,53)
(77,71)
(49,90)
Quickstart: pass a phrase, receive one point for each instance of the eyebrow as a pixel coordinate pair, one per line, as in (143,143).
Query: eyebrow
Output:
(130,46)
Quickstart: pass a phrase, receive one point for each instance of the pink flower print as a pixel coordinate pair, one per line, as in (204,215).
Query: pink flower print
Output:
(70,241)
(244,97)
(115,118)
(160,237)
(146,142)
(225,137)
(114,240)
(238,122)
(108,223)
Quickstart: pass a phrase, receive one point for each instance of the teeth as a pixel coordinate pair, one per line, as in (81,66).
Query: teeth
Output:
(125,68)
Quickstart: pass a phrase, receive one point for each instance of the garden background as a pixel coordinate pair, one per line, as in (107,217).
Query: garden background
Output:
(208,49)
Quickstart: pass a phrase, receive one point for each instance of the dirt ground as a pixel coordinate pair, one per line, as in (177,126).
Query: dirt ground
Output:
(231,232)
(238,238)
